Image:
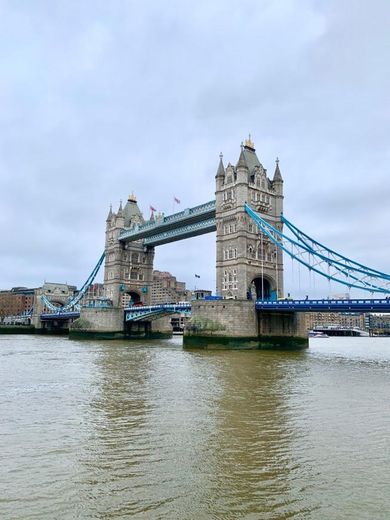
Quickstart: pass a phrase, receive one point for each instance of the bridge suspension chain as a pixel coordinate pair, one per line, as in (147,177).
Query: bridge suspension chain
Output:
(320,259)
(333,255)
(73,302)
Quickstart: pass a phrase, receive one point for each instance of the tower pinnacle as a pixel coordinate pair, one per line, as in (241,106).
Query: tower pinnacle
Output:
(277,174)
(242,161)
(221,169)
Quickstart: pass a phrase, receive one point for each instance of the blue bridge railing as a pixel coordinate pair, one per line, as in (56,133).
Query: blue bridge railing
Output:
(59,316)
(149,312)
(352,305)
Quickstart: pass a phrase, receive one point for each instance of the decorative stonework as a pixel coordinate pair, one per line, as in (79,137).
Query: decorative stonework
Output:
(128,269)
(248,264)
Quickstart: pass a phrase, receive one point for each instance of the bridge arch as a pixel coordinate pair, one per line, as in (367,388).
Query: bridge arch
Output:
(263,287)
(131,297)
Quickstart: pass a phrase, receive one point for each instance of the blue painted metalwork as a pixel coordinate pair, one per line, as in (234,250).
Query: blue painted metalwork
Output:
(201,213)
(352,274)
(150,312)
(191,230)
(307,240)
(72,303)
(55,316)
(352,305)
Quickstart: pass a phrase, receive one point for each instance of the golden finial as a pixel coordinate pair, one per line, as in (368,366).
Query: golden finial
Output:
(249,143)
(132,197)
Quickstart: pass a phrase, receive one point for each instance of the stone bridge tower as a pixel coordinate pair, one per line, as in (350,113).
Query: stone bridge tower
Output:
(249,265)
(128,268)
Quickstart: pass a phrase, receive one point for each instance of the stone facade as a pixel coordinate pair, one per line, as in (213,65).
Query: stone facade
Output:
(128,268)
(99,320)
(237,318)
(248,264)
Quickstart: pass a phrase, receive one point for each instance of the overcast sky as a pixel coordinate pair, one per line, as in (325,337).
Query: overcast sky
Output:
(102,98)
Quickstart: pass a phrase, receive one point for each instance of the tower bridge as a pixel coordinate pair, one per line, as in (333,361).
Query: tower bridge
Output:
(251,240)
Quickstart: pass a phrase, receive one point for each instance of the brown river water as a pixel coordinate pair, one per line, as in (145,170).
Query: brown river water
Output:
(147,430)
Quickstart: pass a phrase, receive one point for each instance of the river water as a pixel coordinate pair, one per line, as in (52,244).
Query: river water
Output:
(111,430)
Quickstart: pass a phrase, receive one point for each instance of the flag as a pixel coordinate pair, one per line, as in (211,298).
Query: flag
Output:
(176,200)
(197,276)
(152,208)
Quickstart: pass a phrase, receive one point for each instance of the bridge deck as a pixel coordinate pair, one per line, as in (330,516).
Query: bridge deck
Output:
(155,311)
(353,305)
(51,316)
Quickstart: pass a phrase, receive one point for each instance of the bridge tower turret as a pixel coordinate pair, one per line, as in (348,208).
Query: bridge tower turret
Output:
(128,268)
(248,264)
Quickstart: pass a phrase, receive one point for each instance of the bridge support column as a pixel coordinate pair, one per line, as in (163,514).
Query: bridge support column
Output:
(237,324)
(105,323)
(160,328)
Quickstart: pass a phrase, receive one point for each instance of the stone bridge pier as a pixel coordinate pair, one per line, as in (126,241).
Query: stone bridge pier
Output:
(237,324)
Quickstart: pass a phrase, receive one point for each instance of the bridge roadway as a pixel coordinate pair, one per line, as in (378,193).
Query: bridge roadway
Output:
(136,313)
(149,312)
(188,223)
(52,316)
(352,305)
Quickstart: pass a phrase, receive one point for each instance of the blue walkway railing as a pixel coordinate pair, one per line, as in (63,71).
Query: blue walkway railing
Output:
(352,305)
(59,316)
(149,312)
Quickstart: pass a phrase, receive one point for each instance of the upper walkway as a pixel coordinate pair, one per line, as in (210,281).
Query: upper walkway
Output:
(353,305)
(188,223)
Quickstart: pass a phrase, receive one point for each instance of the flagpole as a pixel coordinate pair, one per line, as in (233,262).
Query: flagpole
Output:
(175,199)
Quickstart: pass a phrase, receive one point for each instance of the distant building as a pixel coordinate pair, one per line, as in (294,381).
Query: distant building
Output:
(335,319)
(349,320)
(199,294)
(378,324)
(16,301)
(166,289)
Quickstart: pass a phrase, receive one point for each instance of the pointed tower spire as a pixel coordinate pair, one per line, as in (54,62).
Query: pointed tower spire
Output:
(109,216)
(221,169)
(277,174)
(242,161)
(120,210)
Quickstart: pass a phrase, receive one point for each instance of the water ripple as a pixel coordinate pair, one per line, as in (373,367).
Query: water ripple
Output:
(99,430)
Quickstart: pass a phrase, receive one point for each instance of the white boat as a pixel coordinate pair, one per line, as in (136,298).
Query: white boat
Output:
(317,334)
